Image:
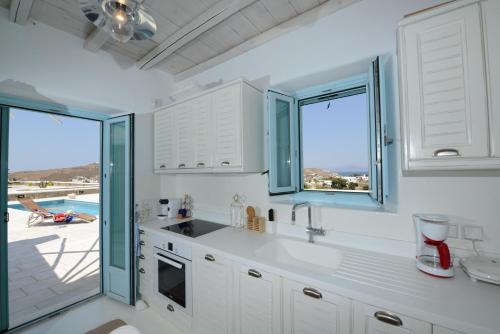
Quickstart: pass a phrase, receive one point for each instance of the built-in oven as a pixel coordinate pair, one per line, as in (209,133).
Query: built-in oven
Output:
(173,280)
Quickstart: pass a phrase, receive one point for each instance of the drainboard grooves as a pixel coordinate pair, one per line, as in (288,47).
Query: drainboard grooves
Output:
(381,285)
(380,267)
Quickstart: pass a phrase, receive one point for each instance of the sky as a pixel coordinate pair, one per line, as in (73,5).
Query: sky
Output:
(336,138)
(38,142)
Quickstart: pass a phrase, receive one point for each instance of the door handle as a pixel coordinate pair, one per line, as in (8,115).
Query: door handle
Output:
(181,165)
(170,308)
(225,163)
(388,318)
(141,231)
(162,166)
(254,273)
(142,271)
(142,243)
(6,216)
(210,257)
(312,293)
(142,257)
(200,164)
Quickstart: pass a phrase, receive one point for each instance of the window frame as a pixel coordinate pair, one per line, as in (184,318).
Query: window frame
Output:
(374,79)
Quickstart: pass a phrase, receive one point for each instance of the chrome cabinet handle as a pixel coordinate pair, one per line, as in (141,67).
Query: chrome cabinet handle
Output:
(170,308)
(162,166)
(200,164)
(141,231)
(142,271)
(142,243)
(446,152)
(142,257)
(254,273)
(210,257)
(225,163)
(312,293)
(388,318)
(182,166)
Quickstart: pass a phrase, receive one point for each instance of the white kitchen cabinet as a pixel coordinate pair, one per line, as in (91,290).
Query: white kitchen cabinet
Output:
(442,330)
(184,118)
(257,301)
(212,293)
(444,105)
(164,140)
(369,319)
(220,130)
(309,310)
(203,139)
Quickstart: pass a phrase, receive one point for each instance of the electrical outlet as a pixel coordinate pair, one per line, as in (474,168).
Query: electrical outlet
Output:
(472,232)
(453,231)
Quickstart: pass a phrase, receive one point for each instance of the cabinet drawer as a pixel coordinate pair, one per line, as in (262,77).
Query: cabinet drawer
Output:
(442,330)
(370,319)
(307,309)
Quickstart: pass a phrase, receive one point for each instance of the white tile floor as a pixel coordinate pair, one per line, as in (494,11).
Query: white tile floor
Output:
(50,265)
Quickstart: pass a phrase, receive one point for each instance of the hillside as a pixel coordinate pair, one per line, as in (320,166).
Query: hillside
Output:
(60,174)
(311,172)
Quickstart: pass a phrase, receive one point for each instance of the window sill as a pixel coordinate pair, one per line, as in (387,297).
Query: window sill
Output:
(331,200)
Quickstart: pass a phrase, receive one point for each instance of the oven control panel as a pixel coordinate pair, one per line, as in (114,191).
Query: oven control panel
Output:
(178,248)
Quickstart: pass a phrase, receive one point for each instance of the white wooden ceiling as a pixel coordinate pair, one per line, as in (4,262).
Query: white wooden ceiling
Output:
(189,34)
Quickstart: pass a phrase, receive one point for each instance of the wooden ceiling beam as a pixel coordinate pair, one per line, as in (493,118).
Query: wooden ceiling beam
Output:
(20,11)
(96,39)
(200,24)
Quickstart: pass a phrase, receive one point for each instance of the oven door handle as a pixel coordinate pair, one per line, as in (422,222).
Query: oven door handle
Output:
(168,261)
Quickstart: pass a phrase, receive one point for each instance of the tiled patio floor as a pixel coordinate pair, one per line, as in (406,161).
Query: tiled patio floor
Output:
(50,265)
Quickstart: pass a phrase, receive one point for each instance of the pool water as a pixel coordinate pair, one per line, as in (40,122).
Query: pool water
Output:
(63,205)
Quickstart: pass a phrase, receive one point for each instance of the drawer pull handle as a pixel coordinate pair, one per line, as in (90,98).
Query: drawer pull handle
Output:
(142,257)
(210,258)
(182,165)
(170,308)
(200,164)
(447,152)
(388,318)
(162,166)
(142,271)
(254,273)
(225,163)
(141,232)
(312,293)
(142,243)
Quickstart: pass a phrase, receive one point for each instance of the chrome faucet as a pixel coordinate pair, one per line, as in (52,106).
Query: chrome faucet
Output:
(309,229)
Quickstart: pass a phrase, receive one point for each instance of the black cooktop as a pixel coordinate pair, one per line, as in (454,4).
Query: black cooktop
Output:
(194,228)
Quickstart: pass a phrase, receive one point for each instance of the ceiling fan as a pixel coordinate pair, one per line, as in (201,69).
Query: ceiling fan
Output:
(123,19)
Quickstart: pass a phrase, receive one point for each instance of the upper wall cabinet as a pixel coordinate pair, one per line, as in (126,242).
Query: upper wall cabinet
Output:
(446,120)
(220,130)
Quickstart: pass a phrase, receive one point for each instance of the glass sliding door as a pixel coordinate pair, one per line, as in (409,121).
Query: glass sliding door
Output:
(117,233)
(4,286)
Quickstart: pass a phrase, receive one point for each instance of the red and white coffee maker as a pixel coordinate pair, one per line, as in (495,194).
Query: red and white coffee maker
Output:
(433,255)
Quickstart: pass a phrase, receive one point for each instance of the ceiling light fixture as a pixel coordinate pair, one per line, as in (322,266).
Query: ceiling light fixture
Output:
(123,19)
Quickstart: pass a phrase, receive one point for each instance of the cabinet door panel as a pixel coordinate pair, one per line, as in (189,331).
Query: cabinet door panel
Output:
(212,294)
(366,323)
(203,131)
(184,129)
(445,85)
(303,314)
(257,301)
(226,105)
(164,139)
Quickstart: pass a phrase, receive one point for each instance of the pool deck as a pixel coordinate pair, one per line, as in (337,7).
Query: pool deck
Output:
(51,265)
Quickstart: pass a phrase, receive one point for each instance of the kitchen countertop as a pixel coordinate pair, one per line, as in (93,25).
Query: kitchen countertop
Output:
(385,281)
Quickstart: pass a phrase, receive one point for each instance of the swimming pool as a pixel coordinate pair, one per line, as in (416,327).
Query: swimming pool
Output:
(63,205)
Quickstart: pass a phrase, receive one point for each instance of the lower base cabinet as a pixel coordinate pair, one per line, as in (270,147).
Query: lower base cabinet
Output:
(212,293)
(442,330)
(309,310)
(369,319)
(257,301)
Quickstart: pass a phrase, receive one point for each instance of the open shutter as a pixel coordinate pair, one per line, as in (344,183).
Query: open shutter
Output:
(283,144)
(4,288)
(118,268)
(378,131)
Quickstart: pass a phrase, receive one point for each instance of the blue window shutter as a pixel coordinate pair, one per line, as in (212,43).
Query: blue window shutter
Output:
(378,131)
(283,144)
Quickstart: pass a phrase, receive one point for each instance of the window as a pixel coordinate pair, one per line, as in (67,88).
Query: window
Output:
(330,139)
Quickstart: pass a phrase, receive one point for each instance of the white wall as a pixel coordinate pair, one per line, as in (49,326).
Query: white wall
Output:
(57,66)
(367,28)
